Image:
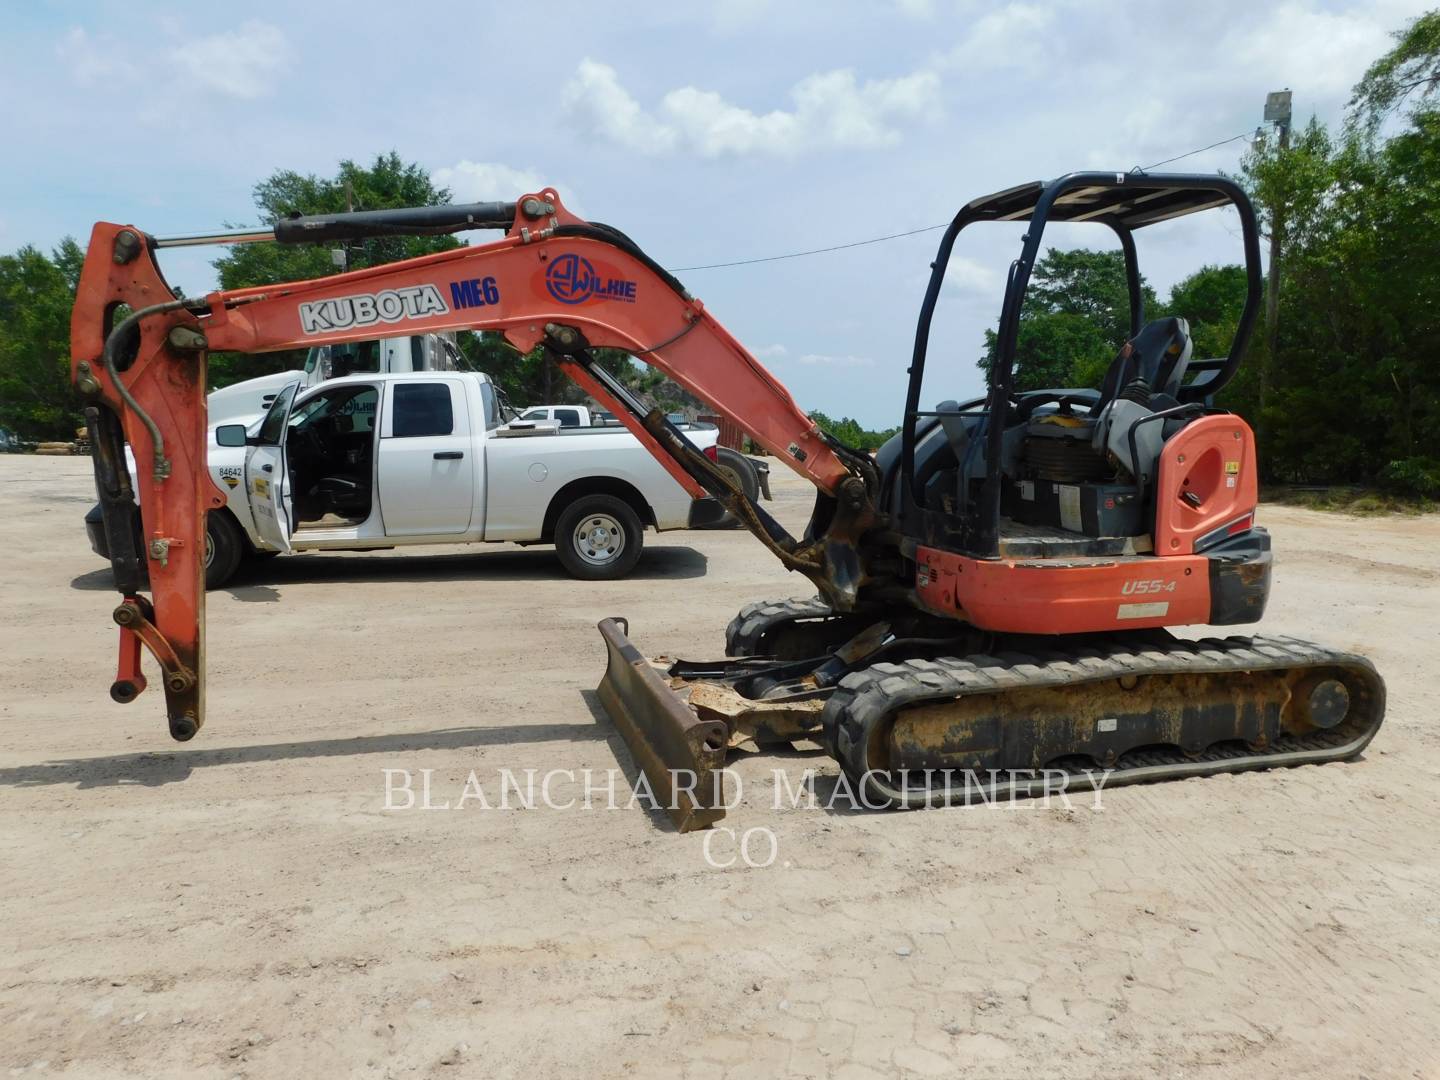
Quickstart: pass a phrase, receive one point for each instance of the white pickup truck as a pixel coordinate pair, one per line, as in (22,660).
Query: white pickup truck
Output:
(564,415)
(388,460)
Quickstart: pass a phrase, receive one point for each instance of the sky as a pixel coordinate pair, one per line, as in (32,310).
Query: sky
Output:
(709,133)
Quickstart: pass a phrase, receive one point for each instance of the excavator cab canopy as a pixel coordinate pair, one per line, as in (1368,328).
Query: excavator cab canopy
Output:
(1122,202)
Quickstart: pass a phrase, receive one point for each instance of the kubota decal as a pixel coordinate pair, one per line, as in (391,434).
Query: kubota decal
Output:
(366,309)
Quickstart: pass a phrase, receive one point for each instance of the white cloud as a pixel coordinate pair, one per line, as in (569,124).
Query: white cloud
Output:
(915,9)
(1321,52)
(486,181)
(821,360)
(597,102)
(832,110)
(1013,36)
(970,278)
(770,352)
(731,15)
(1223,71)
(240,63)
(91,62)
(481,181)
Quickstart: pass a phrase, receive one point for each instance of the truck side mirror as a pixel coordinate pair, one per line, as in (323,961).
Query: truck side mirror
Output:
(230,435)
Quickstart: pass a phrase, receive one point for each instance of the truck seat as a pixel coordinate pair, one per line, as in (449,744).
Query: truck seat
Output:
(347,496)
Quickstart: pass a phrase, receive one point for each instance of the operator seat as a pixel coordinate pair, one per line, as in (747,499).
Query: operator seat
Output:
(957,428)
(1158,355)
(1143,379)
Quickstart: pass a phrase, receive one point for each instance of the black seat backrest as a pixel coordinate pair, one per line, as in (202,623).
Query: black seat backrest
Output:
(957,430)
(1157,354)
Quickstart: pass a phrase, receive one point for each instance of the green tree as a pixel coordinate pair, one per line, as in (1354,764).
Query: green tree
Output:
(850,432)
(531,379)
(1210,300)
(1075,317)
(1351,393)
(36,295)
(387,183)
(1408,72)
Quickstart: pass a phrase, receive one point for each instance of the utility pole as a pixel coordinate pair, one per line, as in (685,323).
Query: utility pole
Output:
(1277,112)
(340,256)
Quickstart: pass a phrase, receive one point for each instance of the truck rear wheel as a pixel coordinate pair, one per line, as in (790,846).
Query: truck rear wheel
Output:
(598,537)
(740,470)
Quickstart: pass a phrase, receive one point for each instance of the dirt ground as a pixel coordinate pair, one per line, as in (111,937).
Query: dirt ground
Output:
(245,904)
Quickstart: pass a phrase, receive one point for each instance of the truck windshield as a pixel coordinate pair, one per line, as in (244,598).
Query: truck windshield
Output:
(349,358)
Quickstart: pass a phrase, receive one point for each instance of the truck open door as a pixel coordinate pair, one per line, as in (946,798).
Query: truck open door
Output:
(266,481)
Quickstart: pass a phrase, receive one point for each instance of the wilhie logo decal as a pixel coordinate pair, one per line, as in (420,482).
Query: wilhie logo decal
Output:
(572,279)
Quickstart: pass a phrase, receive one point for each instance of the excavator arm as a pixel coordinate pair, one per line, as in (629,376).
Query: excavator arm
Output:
(553,280)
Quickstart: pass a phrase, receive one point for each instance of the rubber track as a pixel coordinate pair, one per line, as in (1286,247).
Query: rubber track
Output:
(865,699)
(747,629)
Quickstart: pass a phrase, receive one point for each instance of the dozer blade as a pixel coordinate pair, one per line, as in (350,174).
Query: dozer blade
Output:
(682,756)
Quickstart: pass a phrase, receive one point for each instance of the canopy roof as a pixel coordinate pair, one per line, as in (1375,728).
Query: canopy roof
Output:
(1132,200)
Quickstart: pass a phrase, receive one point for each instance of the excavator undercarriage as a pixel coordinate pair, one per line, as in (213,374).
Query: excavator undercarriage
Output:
(922,722)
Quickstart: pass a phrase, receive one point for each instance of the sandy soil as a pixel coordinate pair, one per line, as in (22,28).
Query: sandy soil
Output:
(244,905)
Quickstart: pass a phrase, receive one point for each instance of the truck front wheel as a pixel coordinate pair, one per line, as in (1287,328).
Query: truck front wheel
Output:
(224,548)
(598,538)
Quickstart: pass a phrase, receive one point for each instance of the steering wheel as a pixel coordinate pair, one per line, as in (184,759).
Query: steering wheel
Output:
(314,444)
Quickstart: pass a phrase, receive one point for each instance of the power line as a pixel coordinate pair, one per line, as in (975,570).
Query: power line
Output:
(812,251)
(916,232)
(1192,153)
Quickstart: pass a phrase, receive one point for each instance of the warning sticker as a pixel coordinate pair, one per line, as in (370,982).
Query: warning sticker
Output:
(1232,467)
(1070,519)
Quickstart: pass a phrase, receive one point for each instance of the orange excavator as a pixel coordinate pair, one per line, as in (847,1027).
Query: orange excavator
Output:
(994,585)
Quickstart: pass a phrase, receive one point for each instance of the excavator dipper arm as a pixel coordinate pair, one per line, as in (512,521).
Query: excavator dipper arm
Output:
(553,280)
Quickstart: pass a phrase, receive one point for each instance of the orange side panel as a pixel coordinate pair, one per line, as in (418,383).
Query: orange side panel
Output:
(1212,459)
(1073,596)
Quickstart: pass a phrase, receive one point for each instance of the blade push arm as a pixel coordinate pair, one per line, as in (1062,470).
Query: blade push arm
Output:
(553,280)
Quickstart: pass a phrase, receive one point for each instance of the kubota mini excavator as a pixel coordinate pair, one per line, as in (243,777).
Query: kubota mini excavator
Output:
(993,585)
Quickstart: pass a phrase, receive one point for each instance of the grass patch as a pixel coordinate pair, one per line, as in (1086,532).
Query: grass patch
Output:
(1361,501)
